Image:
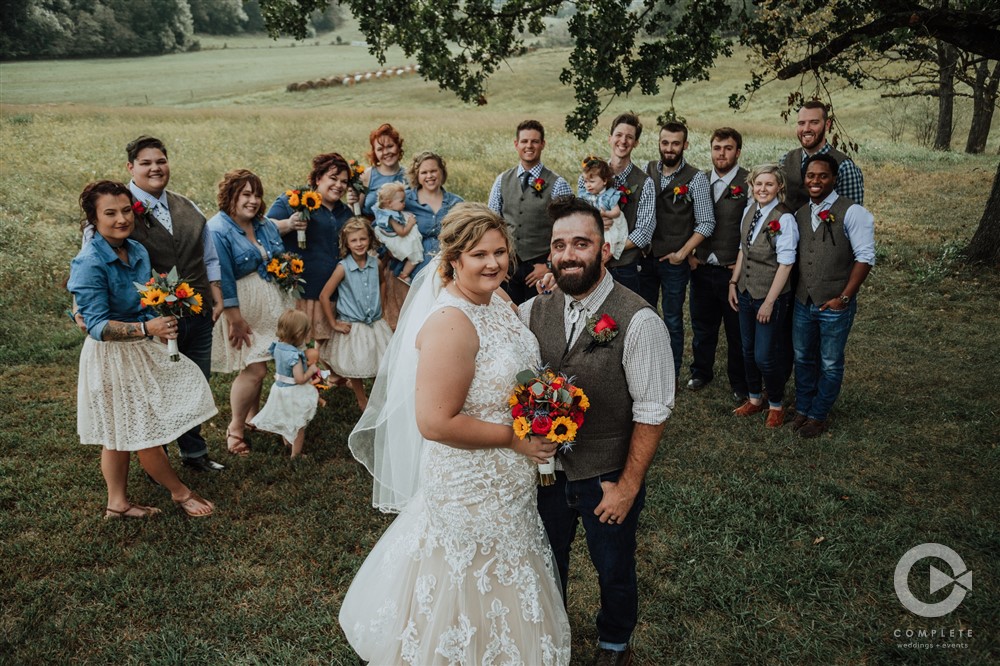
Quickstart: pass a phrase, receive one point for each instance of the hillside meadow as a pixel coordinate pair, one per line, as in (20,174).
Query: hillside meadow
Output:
(755,547)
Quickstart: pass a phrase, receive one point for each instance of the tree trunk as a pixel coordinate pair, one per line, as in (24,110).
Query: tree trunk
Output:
(985,244)
(947,57)
(984,98)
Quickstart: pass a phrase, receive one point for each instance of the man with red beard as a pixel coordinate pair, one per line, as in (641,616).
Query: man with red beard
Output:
(811,127)
(601,482)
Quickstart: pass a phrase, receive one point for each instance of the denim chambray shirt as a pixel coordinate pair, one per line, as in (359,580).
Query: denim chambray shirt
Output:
(238,257)
(103,284)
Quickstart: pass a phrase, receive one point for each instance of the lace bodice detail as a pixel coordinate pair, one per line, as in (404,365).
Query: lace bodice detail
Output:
(506,347)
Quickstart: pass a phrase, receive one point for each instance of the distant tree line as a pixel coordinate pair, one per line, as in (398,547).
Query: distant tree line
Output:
(89,28)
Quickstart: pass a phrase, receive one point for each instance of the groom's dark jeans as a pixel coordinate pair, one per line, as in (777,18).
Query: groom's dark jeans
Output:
(612,549)
(194,340)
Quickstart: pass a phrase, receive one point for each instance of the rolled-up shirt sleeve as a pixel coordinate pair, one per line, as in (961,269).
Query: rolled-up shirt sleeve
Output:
(788,240)
(859,227)
(649,368)
(227,274)
(212,267)
(495,202)
(89,285)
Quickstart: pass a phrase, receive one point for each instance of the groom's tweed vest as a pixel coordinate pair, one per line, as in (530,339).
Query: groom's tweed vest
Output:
(825,259)
(724,242)
(674,219)
(602,443)
(527,213)
(184,248)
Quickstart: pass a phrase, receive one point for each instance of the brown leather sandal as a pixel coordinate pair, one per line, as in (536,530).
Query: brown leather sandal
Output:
(242,448)
(197,498)
(114,514)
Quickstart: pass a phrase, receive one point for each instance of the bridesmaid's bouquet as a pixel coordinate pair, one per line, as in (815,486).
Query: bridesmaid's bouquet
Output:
(547,404)
(356,171)
(303,201)
(285,271)
(169,296)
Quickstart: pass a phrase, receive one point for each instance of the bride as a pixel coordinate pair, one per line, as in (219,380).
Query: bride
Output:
(465,574)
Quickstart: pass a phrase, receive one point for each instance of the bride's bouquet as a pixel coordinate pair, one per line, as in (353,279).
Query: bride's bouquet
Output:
(169,296)
(547,404)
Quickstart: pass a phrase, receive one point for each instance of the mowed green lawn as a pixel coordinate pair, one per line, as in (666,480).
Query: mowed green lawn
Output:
(755,547)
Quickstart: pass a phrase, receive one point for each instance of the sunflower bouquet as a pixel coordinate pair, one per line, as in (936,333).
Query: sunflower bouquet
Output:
(303,202)
(547,404)
(285,271)
(356,170)
(169,296)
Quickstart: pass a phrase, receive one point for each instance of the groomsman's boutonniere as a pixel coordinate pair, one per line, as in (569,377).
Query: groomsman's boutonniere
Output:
(682,192)
(737,192)
(603,330)
(773,229)
(141,211)
(828,219)
(626,193)
(538,184)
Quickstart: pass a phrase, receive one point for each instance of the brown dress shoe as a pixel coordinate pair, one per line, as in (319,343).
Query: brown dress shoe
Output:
(798,422)
(612,658)
(776,417)
(812,428)
(749,409)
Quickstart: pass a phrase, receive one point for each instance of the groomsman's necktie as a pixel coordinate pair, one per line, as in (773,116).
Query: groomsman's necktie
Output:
(525,177)
(813,211)
(162,215)
(753,224)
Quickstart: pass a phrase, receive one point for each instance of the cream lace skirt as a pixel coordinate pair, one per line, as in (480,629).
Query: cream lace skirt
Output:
(358,353)
(131,396)
(261,304)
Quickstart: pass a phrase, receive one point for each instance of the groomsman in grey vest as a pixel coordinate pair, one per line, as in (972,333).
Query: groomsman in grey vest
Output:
(175,233)
(601,481)
(811,126)
(712,267)
(836,253)
(634,268)
(521,196)
(684,218)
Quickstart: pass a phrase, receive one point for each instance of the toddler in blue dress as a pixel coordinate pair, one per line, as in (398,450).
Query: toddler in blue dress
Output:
(397,230)
(292,402)
(599,189)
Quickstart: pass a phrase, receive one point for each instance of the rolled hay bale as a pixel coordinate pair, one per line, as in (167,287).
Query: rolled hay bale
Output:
(358,78)
(368,76)
(308,85)
(348,80)
(378,74)
(399,72)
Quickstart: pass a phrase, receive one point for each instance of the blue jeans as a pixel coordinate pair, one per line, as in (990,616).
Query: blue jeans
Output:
(710,309)
(194,340)
(764,346)
(612,549)
(673,286)
(819,339)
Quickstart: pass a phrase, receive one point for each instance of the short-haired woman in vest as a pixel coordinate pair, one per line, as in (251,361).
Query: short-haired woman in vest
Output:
(130,395)
(759,290)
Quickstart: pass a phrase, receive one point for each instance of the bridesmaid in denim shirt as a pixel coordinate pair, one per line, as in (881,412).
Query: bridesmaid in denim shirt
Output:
(428,200)
(241,342)
(130,396)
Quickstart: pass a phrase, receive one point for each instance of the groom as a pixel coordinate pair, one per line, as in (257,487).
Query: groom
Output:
(628,377)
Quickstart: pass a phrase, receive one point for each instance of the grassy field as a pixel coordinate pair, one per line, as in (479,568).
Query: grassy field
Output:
(755,547)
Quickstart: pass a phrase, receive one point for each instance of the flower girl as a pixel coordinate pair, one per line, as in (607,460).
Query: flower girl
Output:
(292,402)
(397,230)
(364,335)
(599,189)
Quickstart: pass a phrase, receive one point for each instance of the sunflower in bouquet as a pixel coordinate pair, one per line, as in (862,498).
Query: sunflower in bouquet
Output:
(355,171)
(285,271)
(304,202)
(169,296)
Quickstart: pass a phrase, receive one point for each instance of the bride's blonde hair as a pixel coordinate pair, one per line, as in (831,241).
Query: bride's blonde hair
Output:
(462,228)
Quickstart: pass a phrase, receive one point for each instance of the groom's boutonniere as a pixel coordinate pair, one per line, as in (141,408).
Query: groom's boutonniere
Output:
(603,330)
(538,184)
(682,192)
(737,192)
(827,219)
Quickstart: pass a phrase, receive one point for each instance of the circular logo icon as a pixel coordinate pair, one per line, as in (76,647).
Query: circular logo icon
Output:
(960,577)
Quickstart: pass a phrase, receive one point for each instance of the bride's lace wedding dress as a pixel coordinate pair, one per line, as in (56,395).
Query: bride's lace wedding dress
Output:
(465,574)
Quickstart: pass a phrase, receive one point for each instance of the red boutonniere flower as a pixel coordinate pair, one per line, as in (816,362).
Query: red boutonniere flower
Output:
(626,193)
(773,228)
(682,192)
(603,330)
(538,184)
(736,192)
(141,211)
(828,219)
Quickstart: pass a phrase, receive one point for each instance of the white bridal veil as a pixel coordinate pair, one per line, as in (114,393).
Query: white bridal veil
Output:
(386,439)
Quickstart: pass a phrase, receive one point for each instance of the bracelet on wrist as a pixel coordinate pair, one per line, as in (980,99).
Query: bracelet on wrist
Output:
(145,333)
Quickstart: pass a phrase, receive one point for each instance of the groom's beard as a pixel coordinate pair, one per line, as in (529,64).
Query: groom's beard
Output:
(574,285)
